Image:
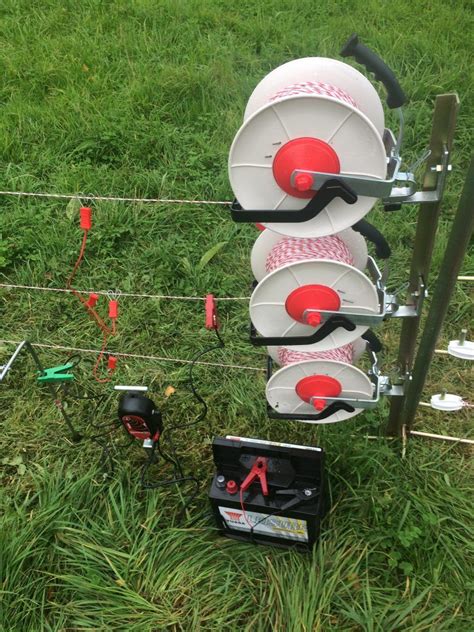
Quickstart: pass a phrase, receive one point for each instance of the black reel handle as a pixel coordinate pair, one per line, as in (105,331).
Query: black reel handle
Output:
(329,191)
(334,407)
(332,323)
(373,341)
(353,48)
(371,233)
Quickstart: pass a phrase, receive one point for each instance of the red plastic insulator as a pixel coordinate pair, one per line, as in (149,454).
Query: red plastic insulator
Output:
(314,388)
(113,309)
(311,297)
(232,487)
(86,217)
(211,312)
(305,154)
(92,300)
(112,363)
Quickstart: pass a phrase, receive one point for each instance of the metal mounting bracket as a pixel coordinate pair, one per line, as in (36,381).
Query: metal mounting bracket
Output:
(398,188)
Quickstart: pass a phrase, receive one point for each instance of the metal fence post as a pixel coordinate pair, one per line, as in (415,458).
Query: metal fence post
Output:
(459,237)
(442,133)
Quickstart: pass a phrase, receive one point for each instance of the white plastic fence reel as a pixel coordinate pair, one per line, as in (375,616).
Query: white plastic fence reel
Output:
(268,239)
(310,131)
(300,387)
(273,300)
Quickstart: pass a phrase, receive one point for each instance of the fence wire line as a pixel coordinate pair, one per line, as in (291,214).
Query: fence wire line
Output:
(113,198)
(42,345)
(121,294)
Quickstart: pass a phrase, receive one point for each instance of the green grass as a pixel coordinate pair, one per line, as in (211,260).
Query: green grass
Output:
(144,98)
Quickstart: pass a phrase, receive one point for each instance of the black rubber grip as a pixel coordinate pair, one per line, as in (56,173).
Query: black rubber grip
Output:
(353,48)
(373,340)
(371,233)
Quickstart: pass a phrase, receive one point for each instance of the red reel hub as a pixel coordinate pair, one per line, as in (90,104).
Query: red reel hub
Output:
(315,388)
(311,297)
(306,154)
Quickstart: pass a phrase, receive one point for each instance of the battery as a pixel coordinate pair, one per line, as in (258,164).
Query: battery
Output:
(268,493)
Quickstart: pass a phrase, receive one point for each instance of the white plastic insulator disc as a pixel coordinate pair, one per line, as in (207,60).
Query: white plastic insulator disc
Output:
(268,239)
(267,303)
(464,351)
(282,396)
(447,403)
(344,128)
(320,69)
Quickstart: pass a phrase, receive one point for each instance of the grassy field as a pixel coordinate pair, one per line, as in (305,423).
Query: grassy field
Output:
(143,98)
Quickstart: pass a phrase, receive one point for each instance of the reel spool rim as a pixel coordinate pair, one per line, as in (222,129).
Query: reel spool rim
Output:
(267,239)
(271,281)
(324,70)
(338,216)
(317,367)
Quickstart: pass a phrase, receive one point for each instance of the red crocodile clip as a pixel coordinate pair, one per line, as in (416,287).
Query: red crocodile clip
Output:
(211,312)
(259,470)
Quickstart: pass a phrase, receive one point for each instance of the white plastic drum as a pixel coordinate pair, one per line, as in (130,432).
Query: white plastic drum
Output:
(283,397)
(324,70)
(268,239)
(344,137)
(268,303)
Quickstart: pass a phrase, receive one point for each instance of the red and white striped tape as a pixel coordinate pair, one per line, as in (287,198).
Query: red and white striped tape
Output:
(314,87)
(341,354)
(292,249)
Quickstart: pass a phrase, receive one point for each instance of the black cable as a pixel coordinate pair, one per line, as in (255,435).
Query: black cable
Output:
(75,358)
(172,481)
(106,461)
(179,476)
(270,515)
(194,391)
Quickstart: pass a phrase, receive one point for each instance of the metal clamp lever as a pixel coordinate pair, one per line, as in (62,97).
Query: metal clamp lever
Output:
(331,189)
